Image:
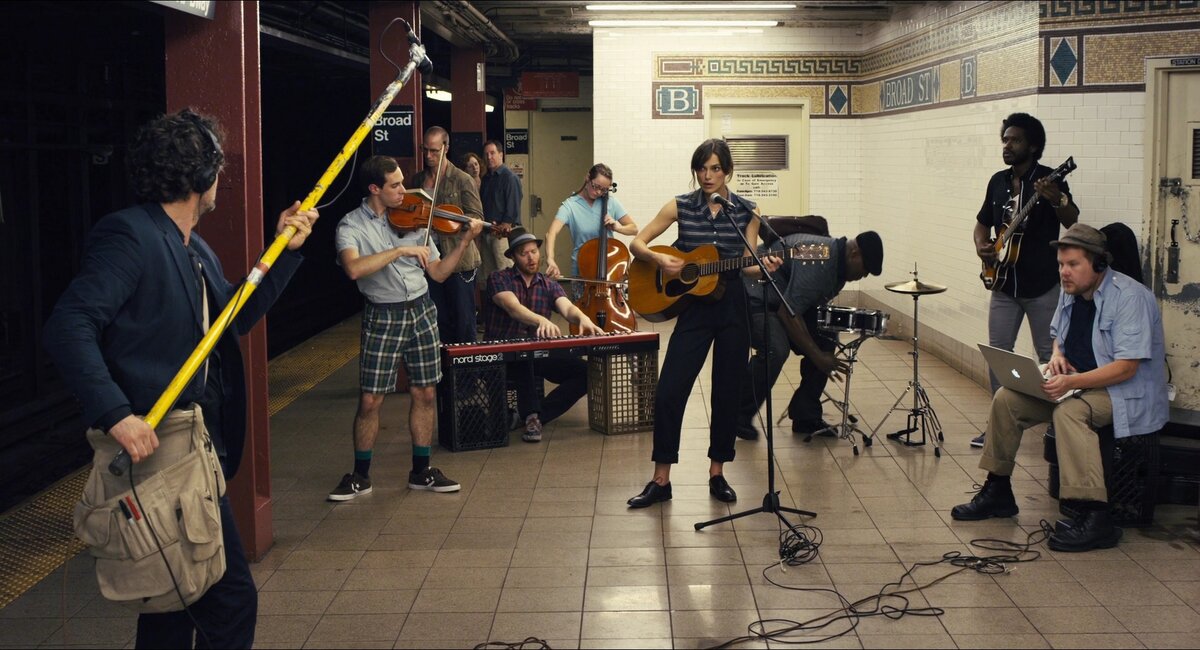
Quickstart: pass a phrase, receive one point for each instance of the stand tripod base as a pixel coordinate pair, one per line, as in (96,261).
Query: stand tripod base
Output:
(921,417)
(770,504)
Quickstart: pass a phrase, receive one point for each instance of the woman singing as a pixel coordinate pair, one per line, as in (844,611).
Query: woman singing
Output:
(720,325)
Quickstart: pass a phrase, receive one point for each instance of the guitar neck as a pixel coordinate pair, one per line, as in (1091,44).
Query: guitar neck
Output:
(802,252)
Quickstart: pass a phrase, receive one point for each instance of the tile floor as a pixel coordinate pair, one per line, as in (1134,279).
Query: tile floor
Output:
(539,541)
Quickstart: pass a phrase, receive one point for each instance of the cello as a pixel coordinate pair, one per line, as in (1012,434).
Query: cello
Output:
(604,261)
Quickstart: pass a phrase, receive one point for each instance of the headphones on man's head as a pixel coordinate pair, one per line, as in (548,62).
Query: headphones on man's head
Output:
(205,175)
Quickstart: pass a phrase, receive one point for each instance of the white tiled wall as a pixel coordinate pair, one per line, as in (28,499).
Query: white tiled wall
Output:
(917,178)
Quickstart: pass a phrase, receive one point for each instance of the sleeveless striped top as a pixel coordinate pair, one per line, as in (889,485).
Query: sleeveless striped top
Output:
(697,225)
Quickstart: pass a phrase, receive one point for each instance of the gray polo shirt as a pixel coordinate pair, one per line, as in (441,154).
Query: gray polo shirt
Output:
(368,233)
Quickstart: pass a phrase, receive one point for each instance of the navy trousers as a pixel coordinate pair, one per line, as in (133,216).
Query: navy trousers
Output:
(455,302)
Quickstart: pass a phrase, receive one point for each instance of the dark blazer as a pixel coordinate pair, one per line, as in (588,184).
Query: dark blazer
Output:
(133,314)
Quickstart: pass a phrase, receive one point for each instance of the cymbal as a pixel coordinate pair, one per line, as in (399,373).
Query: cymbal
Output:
(915,287)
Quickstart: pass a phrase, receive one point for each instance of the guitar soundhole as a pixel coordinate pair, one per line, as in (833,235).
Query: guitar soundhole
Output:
(689,273)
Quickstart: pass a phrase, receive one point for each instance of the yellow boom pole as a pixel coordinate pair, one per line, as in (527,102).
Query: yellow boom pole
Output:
(255,277)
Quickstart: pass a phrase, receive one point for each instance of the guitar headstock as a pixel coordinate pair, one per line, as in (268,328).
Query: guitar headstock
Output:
(1067,167)
(809,252)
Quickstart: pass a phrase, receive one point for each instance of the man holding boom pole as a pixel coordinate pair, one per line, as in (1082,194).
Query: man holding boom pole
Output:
(147,291)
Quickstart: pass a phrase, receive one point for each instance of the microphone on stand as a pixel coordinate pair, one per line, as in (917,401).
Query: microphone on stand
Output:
(719,200)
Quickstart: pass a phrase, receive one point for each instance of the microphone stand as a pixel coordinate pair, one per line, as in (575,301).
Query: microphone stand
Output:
(770,502)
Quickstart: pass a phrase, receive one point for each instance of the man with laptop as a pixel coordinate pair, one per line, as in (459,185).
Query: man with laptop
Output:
(1108,346)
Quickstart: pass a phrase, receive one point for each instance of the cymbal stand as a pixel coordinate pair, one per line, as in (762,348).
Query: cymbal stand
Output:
(846,429)
(921,416)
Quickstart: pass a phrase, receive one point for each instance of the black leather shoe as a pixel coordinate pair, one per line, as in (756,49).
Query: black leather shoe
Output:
(1091,531)
(654,493)
(719,488)
(746,431)
(993,500)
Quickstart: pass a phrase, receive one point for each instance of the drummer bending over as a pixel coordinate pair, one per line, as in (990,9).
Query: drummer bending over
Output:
(806,285)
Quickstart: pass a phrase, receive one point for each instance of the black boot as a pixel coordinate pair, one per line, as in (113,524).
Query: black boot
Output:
(994,499)
(1094,529)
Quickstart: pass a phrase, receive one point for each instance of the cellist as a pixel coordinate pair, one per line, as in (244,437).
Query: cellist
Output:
(581,213)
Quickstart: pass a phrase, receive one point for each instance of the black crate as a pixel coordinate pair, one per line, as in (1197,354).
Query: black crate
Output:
(1131,468)
(472,410)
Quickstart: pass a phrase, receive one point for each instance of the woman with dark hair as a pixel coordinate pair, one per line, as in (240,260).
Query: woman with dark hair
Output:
(718,325)
(581,213)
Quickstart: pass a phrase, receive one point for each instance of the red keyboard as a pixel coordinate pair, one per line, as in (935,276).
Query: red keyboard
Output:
(485,352)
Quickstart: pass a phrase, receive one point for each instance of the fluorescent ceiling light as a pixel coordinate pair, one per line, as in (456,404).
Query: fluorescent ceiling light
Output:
(683,23)
(488,108)
(439,95)
(662,6)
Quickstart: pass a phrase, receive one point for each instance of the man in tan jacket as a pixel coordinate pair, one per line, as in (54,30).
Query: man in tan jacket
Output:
(454,298)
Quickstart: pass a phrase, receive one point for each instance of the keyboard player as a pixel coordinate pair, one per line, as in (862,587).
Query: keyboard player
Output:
(523,300)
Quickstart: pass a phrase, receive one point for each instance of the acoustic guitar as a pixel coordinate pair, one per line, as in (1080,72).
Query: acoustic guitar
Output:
(1007,243)
(660,296)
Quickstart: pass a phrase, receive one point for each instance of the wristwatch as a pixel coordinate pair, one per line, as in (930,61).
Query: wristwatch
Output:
(1065,200)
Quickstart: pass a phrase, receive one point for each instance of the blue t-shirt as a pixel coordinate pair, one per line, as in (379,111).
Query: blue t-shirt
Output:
(584,221)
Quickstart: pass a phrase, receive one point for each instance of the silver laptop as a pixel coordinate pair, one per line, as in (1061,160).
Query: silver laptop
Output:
(1017,372)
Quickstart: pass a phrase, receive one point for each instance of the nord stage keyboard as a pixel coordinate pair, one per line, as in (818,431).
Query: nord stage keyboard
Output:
(488,352)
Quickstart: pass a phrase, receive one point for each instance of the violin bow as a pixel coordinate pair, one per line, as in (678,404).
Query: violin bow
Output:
(437,179)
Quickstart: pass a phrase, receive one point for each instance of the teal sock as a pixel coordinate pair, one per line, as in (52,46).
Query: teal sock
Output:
(362,463)
(421,458)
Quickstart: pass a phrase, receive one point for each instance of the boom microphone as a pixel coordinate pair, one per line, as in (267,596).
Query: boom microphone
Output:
(720,200)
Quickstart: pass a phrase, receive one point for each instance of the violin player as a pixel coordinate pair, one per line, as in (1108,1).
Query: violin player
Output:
(399,322)
(449,185)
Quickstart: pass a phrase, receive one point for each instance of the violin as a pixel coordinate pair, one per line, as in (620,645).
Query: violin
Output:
(603,299)
(417,211)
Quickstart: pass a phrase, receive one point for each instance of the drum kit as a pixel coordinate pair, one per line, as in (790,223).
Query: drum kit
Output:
(872,323)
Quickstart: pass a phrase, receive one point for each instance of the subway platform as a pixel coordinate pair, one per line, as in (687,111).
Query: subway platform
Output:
(539,541)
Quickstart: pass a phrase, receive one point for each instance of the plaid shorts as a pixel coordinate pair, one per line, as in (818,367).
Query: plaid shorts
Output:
(391,334)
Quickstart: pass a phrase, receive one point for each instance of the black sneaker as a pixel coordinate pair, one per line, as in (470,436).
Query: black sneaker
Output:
(432,480)
(994,499)
(977,441)
(351,486)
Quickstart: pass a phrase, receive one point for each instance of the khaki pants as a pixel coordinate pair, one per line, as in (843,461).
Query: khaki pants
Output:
(1080,468)
(491,250)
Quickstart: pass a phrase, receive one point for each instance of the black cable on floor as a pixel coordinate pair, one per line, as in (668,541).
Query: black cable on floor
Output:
(891,600)
(531,643)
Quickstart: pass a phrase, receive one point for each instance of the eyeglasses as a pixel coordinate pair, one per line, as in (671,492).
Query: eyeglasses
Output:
(597,189)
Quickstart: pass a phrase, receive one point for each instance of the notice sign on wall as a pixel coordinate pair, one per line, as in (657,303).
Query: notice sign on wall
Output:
(758,185)
(393,133)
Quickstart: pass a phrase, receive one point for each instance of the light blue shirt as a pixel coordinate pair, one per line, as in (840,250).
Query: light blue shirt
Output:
(1128,325)
(584,221)
(369,233)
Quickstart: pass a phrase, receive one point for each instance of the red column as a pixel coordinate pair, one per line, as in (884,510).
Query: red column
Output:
(213,66)
(467,111)
(384,73)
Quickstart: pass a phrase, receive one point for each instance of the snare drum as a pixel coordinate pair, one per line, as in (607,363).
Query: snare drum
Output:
(836,319)
(870,322)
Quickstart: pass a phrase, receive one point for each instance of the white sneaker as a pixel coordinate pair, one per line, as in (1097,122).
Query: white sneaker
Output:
(533,429)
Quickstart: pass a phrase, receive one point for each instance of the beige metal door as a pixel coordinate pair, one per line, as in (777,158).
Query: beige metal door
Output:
(1173,156)
(770,145)
(560,154)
